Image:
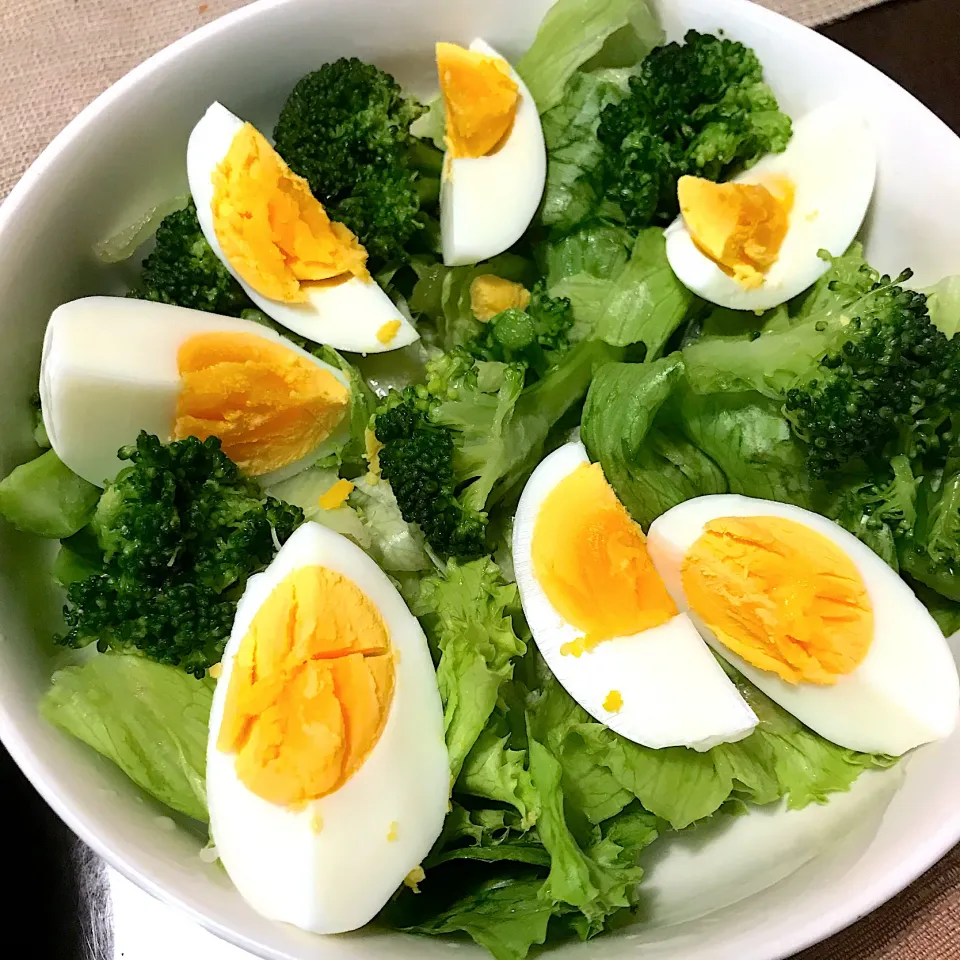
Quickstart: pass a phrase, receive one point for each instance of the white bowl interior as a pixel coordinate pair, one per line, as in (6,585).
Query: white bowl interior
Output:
(757,887)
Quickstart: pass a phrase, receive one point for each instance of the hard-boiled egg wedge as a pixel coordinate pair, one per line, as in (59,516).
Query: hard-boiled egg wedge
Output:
(495,166)
(307,272)
(327,774)
(813,617)
(755,242)
(603,621)
(113,366)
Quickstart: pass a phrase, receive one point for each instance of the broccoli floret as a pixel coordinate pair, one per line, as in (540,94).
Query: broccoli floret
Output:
(536,336)
(346,129)
(886,388)
(700,108)
(456,445)
(882,514)
(417,461)
(184,270)
(181,531)
(864,378)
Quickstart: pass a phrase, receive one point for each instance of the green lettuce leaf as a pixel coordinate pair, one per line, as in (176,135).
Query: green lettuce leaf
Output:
(622,302)
(493,770)
(749,439)
(573,191)
(149,718)
(396,545)
(467,612)
(943,302)
(305,489)
(46,498)
(575,33)
(648,462)
(504,914)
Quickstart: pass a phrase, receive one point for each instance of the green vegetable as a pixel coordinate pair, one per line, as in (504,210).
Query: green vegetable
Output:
(460,443)
(346,129)
(46,498)
(648,461)
(573,192)
(699,109)
(441,297)
(943,302)
(181,530)
(573,35)
(880,513)
(536,337)
(184,270)
(467,612)
(149,719)
(393,543)
(865,377)
(304,490)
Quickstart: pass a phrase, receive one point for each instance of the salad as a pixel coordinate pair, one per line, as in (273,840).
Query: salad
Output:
(470,494)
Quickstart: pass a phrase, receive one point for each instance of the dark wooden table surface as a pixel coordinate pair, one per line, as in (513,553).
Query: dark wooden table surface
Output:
(917,42)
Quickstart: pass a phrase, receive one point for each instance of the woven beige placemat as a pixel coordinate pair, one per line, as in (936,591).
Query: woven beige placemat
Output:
(57,55)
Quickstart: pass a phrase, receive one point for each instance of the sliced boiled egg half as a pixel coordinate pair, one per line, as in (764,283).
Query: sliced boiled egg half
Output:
(811,616)
(755,242)
(495,165)
(306,271)
(603,619)
(327,775)
(113,366)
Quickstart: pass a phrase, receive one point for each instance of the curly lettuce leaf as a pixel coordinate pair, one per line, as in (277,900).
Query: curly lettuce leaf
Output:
(943,302)
(467,612)
(305,489)
(396,545)
(149,718)
(574,35)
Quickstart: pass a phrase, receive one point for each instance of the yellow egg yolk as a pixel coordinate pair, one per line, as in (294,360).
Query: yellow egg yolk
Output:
(269,405)
(613,701)
(479,97)
(271,228)
(388,331)
(490,295)
(336,496)
(591,561)
(782,596)
(739,226)
(310,689)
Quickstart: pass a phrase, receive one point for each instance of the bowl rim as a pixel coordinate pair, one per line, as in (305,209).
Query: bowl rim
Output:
(934,845)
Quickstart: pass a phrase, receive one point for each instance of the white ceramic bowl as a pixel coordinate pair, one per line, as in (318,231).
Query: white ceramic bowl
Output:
(764,885)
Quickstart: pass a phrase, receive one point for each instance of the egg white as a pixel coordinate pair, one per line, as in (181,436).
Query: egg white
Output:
(487,203)
(330,867)
(346,316)
(674,691)
(903,694)
(832,163)
(109,370)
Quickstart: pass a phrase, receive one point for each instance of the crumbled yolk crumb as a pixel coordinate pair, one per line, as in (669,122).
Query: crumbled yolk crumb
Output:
(782,596)
(215,670)
(480,99)
(271,228)
(591,561)
(392,832)
(490,295)
(388,331)
(336,496)
(739,226)
(269,405)
(310,688)
(372,448)
(613,702)
(316,822)
(414,878)
(576,648)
